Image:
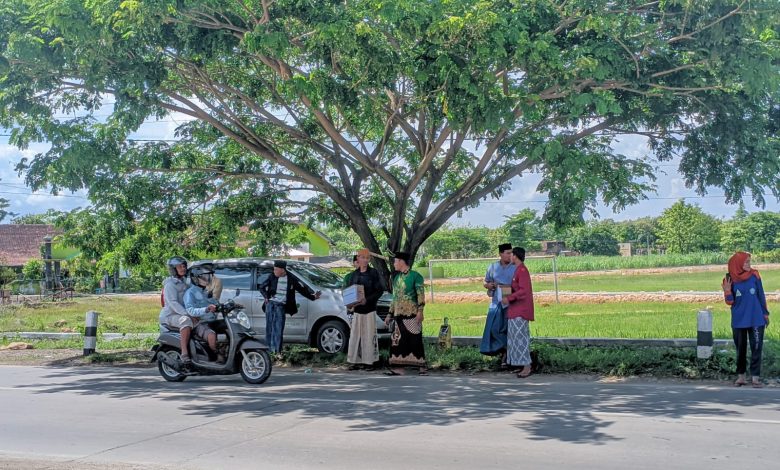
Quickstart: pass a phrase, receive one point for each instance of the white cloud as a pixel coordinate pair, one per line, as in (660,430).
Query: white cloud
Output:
(22,200)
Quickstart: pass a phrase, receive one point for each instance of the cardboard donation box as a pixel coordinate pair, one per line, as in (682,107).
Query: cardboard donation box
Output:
(505,290)
(353,295)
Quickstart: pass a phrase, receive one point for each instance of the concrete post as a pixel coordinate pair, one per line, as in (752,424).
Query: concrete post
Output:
(90,333)
(704,340)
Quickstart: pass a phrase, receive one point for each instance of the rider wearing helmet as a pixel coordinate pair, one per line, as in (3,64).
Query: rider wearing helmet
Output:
(173,313)
(201,306)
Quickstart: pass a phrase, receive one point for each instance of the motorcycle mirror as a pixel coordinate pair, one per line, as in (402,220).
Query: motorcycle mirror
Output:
(238,291)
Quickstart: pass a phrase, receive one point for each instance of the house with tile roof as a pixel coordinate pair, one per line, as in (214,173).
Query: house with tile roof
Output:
(20,243)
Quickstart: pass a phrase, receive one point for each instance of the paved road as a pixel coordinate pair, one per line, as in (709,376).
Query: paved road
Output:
(84,418)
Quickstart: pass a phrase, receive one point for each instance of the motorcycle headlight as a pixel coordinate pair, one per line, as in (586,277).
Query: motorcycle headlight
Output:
(243,320)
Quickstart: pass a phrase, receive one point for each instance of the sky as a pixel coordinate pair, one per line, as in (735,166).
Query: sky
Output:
(491,213)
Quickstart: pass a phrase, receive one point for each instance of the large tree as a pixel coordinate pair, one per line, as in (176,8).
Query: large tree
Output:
(685,228)
(397,114)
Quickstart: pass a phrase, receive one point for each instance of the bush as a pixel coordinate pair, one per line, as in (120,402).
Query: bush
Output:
(772,256)
(7,276)
(33,269)
(139,284)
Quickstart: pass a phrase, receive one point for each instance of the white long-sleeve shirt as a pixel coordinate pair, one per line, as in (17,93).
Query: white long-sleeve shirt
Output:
(173,296)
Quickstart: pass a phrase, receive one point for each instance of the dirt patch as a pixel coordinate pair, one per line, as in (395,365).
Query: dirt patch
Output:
(708,298)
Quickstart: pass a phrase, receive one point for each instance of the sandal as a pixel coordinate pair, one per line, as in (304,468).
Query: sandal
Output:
(423,372)
(521,375)
(757,384)
(391,373)
(740,383)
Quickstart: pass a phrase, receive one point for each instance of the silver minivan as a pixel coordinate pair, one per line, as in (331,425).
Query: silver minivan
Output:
(321,323)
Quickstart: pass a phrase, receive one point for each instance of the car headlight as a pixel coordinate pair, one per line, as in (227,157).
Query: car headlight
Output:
(243,320)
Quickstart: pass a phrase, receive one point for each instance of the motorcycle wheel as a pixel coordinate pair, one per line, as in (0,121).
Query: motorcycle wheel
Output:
(255,366)
(169,373)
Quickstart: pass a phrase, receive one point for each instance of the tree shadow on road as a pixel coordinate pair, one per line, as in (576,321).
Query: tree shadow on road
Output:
(540,408)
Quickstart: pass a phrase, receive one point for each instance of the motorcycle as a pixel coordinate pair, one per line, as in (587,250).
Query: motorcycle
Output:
(243,349)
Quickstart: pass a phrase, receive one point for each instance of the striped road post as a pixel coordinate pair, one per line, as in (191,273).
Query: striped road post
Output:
(90,333)
(704,335)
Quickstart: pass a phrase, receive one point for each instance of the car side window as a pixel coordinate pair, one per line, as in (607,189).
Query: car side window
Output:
(263,273)
(234,277)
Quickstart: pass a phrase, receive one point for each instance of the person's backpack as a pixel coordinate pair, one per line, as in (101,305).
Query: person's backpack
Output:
(162,297)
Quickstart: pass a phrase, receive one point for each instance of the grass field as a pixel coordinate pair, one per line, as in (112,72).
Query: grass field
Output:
(117,315)
(454,269)
(655,282)
(607,320)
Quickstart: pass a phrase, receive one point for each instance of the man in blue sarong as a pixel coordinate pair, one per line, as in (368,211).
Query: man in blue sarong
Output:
(498,275)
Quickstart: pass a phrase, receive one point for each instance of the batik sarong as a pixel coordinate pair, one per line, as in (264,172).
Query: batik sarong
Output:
(406,347)
(518,342)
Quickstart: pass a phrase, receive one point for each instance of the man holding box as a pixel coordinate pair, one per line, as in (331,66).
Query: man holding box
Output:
(363,348)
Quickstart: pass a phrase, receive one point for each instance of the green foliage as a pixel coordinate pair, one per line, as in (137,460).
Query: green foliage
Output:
(33,269)
(772,256)
(524,229)
(50,217)
(7,275)
(4,204)
(757,232)
(593,239)
(390,116)
(462,242)
(685,228)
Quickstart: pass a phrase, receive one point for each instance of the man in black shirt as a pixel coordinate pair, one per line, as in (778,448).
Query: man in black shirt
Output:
(363,348)
(279,290)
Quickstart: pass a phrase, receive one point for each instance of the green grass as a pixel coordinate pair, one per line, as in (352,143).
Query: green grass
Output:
(117,315)
(651,282)
(611,361)
(455,269)
(607,320)
(78,343)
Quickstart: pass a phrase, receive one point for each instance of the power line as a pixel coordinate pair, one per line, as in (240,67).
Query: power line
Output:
(665,198)
(44,194)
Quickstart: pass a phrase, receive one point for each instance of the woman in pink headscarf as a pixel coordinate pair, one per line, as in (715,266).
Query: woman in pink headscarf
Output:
(744,292)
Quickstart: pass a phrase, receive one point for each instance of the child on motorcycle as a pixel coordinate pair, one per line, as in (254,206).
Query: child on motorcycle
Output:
(201,307)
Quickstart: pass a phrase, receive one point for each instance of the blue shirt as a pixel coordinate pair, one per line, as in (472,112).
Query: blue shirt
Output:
(500,275)
(748,303)
(196,300)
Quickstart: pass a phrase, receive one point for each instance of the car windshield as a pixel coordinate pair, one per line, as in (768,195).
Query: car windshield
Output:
(318,276)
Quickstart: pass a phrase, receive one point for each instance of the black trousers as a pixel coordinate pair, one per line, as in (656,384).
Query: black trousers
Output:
(754,336)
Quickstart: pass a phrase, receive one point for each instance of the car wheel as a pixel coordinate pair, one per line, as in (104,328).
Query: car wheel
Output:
(255,366)
(169,373)
(333,337)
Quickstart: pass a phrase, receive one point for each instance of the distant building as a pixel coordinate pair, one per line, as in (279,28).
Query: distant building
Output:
(317,243)
(20,243)
(626,249)
(553,247)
